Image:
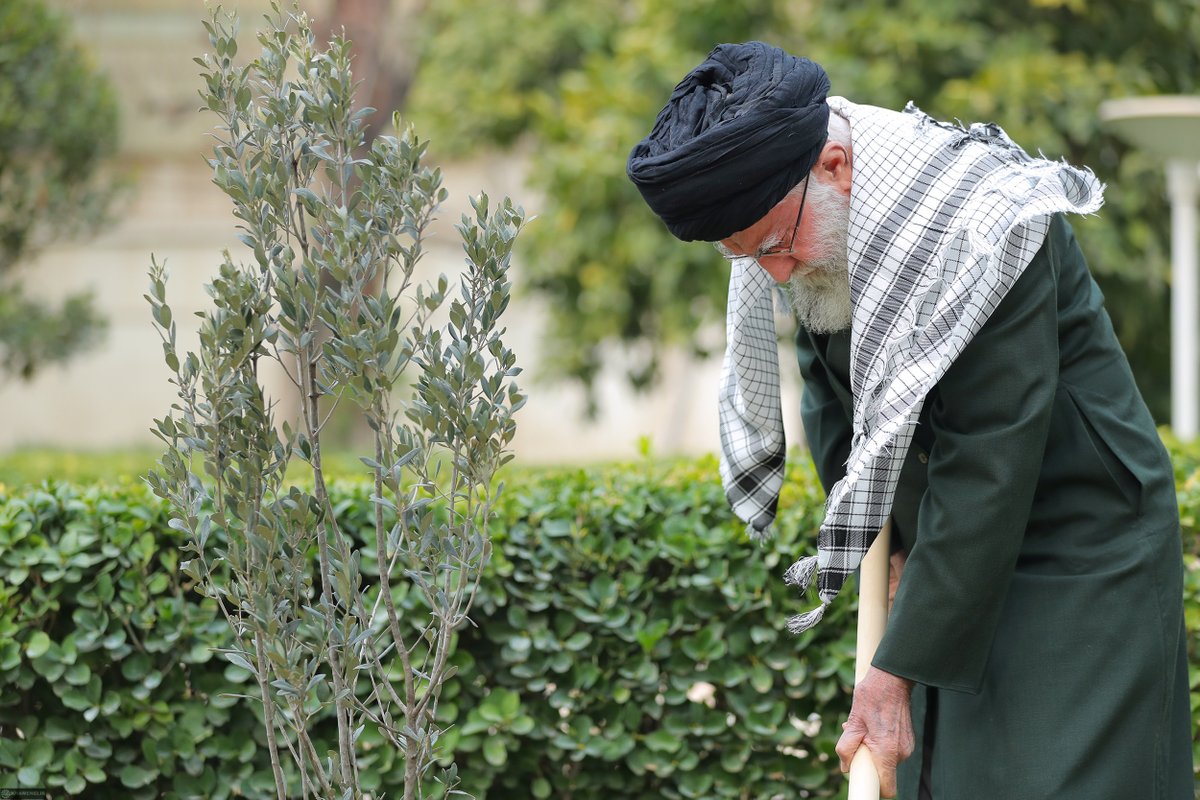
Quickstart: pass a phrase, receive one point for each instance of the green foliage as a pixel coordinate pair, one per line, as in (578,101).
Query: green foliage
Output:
(33,335)
(494,94)
(611,273)
(106,662)
(627,641)
(58,125)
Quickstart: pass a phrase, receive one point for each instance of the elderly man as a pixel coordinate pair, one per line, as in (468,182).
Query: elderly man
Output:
(962,376)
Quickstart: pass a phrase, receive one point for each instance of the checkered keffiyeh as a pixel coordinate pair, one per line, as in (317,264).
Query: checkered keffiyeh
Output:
(943,220)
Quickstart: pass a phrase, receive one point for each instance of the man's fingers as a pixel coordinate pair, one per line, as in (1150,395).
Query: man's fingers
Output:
(895,569)
(848,744)
(886,757)
(887,782)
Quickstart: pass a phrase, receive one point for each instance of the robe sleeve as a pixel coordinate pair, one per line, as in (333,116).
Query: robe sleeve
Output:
(989,418)
(826,425)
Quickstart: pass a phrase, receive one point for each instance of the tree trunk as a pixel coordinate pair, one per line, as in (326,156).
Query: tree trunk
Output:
(384,58)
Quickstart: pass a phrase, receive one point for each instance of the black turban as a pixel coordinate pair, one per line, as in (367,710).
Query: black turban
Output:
(738,133)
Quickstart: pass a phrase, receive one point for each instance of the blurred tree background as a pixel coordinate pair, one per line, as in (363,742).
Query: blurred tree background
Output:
(575,85)
(58,127)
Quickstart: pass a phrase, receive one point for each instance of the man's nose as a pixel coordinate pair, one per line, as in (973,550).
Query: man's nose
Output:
(779,267)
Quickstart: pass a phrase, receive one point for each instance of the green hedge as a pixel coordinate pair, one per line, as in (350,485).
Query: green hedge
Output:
(615,598)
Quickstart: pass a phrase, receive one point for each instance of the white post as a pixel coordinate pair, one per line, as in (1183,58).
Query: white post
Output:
(1185,293)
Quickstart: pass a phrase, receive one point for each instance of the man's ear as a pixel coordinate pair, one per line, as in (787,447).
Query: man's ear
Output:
(834,167)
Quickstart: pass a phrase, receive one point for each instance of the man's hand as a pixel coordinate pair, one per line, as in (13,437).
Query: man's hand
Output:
(895,570)
(881,719)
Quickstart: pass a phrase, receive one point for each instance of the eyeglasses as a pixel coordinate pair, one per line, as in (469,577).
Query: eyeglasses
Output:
(730,255)
(791,245)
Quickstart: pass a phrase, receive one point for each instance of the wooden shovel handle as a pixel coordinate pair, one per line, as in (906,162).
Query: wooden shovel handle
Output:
(872,617)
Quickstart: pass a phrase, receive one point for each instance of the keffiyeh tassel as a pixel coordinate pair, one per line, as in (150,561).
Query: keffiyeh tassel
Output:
(802,622)
(800,574)
(757,535)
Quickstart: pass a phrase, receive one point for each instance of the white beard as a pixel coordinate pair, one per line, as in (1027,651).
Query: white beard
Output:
(822,298)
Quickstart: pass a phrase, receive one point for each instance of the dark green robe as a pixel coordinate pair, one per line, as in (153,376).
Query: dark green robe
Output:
(1041,609)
